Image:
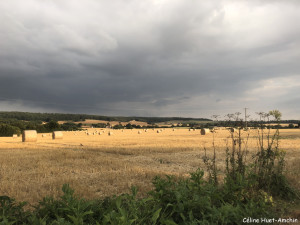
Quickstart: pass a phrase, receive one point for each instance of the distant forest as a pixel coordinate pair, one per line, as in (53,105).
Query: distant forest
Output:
(15,122)
(47,117)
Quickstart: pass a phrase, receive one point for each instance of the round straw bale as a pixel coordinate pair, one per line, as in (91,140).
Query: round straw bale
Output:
(29,136)
(57,135)
(204,131)
(43,135)
(232,130)
(15,136)
(158,131)
(139,132)
(110,133)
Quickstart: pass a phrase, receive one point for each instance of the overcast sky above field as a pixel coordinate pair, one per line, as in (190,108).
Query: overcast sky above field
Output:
(151,57)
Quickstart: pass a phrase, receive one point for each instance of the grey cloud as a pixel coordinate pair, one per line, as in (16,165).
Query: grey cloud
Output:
(147,58)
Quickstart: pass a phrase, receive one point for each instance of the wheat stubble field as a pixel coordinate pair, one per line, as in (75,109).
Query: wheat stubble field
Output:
(102,165)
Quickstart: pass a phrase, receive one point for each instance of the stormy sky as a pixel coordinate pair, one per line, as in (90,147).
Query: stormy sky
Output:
(151,57)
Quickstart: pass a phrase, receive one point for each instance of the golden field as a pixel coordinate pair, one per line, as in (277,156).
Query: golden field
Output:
(102,165)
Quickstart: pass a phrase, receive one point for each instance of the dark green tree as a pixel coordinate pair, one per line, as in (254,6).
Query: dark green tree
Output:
(8,130)
(52,125)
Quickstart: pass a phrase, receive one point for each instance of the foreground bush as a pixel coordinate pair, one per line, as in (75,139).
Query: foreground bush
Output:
(172,201)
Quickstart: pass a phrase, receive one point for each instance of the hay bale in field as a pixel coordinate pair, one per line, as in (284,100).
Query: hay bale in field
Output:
(57,135)
(204,131)
(29,136)
(15,136)
(99,133)
(158,131)
(44,135)
(139,132)
(232,130)
(110,133)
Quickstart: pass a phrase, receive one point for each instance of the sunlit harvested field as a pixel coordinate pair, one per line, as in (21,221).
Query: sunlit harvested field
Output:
(101,165)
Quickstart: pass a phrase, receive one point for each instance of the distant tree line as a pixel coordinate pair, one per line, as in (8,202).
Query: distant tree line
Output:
(133,126)
(47,117)
(8,127)
(255,124)
(99,125)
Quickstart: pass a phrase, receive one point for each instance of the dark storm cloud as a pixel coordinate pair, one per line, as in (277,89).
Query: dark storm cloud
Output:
(161,58)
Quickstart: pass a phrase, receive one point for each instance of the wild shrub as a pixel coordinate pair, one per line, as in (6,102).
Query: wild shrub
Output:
(172,201)
(269,164)
(265,174)
(12,212)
